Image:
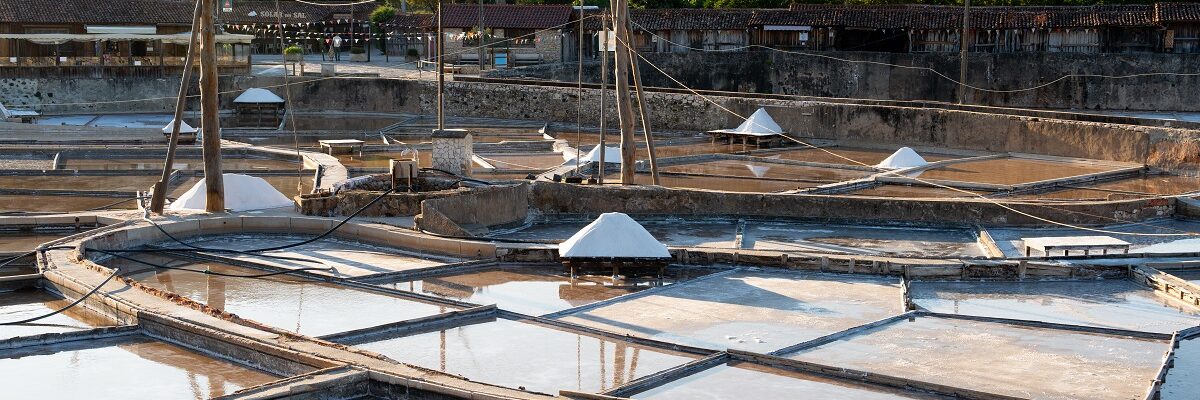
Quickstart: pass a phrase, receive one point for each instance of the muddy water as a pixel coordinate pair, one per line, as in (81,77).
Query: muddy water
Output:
(28,303)
(532,290)
(156,163)
(111,183)
(383,160)
(529,161)
(758,312)
(1020,361)
(1137,187)
(122,368)
(739,380)
(905,191)
(714,183)
(1183,380)
(845,155)
(516,355)
(1011,171)
(767,170)
(1118,304)
(306,307)
(18,203)
(27,241)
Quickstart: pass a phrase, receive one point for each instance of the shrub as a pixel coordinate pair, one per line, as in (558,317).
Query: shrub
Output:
(357,50)
(413,53)
(293,51)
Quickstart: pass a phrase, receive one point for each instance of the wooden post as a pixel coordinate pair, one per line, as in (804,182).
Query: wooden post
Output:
(641,96)
(603,91)
(210,120)
(441,68)
(962,53)
(624,108)
(159,198)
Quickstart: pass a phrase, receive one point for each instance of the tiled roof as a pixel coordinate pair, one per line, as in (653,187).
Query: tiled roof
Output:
(413,21)
(248,12)
(1177,12)
(525,16)
(950,17)
(691,19)
(96,11)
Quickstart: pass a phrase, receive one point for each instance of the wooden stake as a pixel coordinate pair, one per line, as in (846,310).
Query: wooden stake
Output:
(624,108)
(603,91)
(441,69)
(159,199)
(210,122)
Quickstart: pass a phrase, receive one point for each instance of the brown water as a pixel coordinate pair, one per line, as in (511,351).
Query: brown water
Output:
(1138,187)
(739,380)
(530,161)
(27,241)
(521,355)
(383,160)
(714,183)
(845,155)
(767,170)
(307,307)
(905,191)
(338,123)
(111,183)
(1011,171)
(156,163)
(14,203)
(28,303)
(530,290)
(121,368)
(1020,361)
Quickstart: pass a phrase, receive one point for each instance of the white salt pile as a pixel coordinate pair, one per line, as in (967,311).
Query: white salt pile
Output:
(758,170)
(612,155)
(258,96)
(613,235)
(759,124)
(903,158)
(183,127)
(242,193)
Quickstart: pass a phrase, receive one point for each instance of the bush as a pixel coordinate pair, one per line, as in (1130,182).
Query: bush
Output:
(413,53)
(293,51)
(357,50)
(383,14)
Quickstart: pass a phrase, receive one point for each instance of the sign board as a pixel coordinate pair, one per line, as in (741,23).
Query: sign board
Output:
(610,38)
(226,5)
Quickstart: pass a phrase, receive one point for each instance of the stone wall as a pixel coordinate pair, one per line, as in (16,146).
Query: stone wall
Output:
(549,45)
(453,152)
(475,211)
(551,198)
(863,75)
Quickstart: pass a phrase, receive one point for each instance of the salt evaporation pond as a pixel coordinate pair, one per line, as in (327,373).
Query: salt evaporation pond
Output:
(28,303)
(1120,304)
(753,311)
(121,368)
(869,240)
(522,355)
(303,306)
(1183,380)
(998,358)
(739,380)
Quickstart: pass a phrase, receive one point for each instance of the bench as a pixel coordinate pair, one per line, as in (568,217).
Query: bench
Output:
(526,58)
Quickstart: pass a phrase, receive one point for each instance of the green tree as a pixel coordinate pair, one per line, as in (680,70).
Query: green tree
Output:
(382,15)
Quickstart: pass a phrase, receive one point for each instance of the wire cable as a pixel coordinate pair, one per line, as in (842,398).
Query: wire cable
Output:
(206,272)
(68,306)
(989,200)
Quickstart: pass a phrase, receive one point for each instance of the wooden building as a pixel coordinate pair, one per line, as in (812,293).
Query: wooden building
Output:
(1181,26)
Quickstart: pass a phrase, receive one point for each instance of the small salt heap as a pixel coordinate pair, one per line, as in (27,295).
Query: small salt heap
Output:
(613,235)
(903,158)
(242,193)
(612,155)
(183,127)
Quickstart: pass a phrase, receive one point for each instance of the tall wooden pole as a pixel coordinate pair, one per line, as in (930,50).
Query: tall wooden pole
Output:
(603,92)
(441,69)
(210,122)
(962,53)
(624,108)
(159,199)
(641,96)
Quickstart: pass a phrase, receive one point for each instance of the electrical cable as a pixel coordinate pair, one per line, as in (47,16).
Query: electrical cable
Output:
(989,200)
(13,259)
(206,272)
(68,306)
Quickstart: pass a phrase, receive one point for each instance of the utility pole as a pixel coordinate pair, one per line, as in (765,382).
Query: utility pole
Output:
(209,119)
(441,68)
(482,49)
(962,53)
(624,108)
(159,199)
(603,91)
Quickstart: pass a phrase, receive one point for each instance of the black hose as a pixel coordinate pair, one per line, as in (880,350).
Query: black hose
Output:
(13,259)
(206,272)
(281,247)
(68,306)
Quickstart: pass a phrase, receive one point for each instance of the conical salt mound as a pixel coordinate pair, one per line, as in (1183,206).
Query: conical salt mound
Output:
(759,123)
(613,235)
(258,96)
(183,127)
(903,158)
(242,193)
(611,155)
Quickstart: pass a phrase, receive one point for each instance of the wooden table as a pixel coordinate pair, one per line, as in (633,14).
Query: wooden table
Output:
(1068,243)
(328,146)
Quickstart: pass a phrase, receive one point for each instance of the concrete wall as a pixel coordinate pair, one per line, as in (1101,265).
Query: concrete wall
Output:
(555,198)
(476,211)
(861,75)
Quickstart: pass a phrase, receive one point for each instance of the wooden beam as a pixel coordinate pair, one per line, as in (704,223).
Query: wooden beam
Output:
(159,198)
(210,121)
(624,107)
